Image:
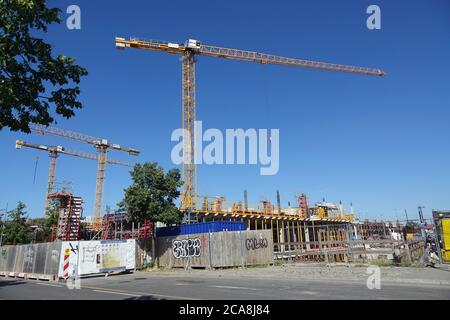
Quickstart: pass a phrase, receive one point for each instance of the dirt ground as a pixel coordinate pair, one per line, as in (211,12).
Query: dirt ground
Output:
(416,275)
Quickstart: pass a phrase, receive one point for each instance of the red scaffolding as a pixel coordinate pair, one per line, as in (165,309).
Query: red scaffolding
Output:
(69,210)
(118,226)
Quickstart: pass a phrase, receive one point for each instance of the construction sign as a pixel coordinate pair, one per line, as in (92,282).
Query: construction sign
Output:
(80,258)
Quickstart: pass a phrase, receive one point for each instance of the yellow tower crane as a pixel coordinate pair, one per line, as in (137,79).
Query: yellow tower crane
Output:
(53,152)
(103,145)
(188,51)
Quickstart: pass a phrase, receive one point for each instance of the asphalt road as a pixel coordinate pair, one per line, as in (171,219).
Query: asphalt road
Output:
(147,286)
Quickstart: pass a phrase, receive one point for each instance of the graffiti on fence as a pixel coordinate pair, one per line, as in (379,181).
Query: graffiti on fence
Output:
(186,248)
(254,244)
(55,255)
(29,255)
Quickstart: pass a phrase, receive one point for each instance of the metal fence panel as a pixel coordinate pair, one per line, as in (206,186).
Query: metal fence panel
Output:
(3,258)
(29,254)
(53,252)
(39,258)
(18,261)
(11,258)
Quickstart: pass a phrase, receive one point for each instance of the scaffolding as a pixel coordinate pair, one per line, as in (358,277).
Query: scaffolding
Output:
(119,226)
(69,210)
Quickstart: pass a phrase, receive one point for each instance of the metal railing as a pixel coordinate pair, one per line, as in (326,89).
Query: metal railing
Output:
(345,251)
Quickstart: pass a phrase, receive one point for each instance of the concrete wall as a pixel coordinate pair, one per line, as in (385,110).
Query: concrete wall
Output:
(217,249)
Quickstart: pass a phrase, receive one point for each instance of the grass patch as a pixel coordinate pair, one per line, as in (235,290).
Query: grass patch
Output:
(381,262)
(255,266)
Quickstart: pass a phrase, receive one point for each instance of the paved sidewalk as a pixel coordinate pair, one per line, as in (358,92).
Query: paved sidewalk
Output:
(407,275)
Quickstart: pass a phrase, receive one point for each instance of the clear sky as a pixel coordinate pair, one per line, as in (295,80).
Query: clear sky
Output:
(382,143)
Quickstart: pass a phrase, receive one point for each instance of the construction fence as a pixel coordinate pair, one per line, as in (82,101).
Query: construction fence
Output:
(79,258)
(63,259)
(349,251)
(34,261)
(215,249)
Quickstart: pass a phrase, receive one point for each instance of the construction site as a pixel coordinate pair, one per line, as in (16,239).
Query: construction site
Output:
(299,232)
(216,232)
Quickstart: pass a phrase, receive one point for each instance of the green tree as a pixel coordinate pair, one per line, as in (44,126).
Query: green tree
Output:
(152,193)
(32,80)
(16,229)
(46,223)
(50,221)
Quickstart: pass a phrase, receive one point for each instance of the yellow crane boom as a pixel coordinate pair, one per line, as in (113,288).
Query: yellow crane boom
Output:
(102,145)
(53,152)
(238,54)
(194,47)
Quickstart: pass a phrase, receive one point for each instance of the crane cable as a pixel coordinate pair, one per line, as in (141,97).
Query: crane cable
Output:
(35,168)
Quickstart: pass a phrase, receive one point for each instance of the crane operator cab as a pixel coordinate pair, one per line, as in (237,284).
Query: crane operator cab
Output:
(193,44)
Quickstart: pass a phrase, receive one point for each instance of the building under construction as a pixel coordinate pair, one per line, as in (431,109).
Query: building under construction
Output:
(68,211)
(118,226)
(301,223)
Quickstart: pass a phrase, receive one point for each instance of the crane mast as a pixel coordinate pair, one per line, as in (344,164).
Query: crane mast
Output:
(102,145)
(188,101)
(51,177)
(53,152)
(188,50)
(100,181)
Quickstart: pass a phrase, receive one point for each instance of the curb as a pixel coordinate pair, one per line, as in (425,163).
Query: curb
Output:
(23,275)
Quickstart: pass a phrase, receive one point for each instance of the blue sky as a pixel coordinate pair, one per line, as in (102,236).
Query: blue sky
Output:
(382,143)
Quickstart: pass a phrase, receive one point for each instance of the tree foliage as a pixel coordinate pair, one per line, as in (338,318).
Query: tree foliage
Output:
(32,81)
(152,194)
(16,230)
(45,224)
(51,219)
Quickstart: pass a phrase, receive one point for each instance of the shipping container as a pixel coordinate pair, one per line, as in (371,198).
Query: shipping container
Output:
(203,227)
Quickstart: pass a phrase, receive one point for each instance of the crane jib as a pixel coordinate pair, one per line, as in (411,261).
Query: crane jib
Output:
(193,47)
(245,55)
(264,58)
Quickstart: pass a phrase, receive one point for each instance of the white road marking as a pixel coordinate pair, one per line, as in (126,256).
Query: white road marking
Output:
(49,285)
(121,293)
(311,293)
(138,294)
(230,287)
